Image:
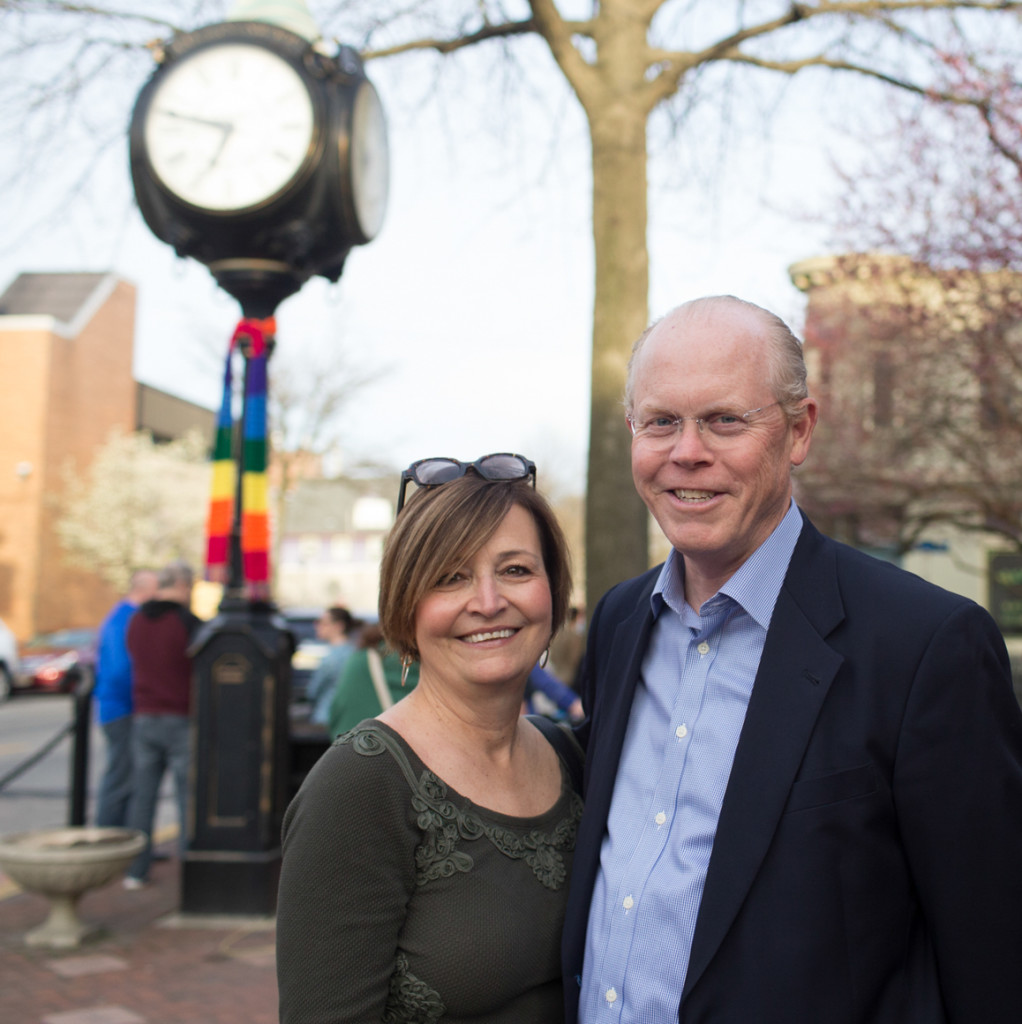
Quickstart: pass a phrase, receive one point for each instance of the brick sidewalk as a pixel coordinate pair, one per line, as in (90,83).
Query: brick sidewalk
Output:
(149,965)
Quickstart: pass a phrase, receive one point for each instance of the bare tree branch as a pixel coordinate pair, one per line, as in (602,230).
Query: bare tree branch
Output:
(87,10)
(447,46)
(793,67)
(558,34)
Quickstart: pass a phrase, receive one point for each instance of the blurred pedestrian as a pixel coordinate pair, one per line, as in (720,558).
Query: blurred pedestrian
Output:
(159,635)
(567,647)
(371,682)
(334,627)
(112,695)
(546,695)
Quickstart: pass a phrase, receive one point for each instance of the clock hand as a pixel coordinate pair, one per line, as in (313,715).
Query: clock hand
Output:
(224,126)
(228,132)
(212,162)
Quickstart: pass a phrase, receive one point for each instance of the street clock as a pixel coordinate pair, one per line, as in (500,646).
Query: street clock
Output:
(259,155)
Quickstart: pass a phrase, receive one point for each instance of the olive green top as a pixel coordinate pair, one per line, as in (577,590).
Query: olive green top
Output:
(403,902)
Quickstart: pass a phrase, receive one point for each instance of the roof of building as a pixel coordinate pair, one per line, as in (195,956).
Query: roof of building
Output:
(328,506)
(60,295)
(168,416)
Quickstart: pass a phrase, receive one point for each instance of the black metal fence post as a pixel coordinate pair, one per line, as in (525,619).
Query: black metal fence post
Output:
(82,724)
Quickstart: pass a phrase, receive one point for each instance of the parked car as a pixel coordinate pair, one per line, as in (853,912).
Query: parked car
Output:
(9,661)
(57,662)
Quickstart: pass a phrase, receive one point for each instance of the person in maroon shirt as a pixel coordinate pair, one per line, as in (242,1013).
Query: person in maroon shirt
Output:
(158,638)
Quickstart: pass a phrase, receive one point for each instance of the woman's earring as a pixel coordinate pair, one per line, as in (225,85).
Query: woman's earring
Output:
(406,664)
(544,658)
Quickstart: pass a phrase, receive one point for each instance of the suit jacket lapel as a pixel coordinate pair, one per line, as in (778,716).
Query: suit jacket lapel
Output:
(795,673)
(618,680)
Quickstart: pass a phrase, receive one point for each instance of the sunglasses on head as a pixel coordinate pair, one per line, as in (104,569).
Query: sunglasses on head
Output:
(433,472)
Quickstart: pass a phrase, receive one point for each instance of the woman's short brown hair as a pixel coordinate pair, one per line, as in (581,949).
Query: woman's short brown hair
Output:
(440,527)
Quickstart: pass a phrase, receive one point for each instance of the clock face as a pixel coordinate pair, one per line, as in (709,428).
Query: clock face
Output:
(370,161)
(229,126)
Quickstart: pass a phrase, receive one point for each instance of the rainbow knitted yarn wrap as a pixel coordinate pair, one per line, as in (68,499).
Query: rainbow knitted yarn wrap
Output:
(253,338)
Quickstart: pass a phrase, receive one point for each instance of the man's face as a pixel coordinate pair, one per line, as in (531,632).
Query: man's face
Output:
(716,499)
(144,585)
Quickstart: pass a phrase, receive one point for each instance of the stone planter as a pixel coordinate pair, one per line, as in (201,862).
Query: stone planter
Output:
(63,864)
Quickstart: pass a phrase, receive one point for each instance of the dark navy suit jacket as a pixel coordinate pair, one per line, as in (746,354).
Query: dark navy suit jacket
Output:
(867,866)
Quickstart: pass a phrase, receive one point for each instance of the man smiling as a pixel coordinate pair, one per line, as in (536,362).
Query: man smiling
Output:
(804,766)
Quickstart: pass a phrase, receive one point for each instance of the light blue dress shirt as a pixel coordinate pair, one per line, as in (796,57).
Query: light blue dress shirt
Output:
(687,714)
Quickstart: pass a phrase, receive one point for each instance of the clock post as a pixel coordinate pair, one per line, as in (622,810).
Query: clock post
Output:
(257,152)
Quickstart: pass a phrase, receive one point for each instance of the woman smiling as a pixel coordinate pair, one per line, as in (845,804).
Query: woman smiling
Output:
(426,856)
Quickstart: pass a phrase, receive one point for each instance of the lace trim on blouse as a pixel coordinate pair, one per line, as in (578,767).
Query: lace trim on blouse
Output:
(444,824)
(411,1001)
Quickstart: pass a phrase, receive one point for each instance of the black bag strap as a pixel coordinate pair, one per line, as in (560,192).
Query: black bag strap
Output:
(562,739)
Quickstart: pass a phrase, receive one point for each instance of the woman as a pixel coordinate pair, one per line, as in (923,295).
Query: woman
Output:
(334,627)
(426,855)
(372,680)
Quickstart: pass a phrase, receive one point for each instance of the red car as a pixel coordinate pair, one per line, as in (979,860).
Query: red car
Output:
(56,662)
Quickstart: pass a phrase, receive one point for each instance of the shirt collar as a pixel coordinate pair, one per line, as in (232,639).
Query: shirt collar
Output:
(756,583)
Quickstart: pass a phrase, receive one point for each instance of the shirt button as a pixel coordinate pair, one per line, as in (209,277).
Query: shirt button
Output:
(703,648)
(628,903)
(660,818)
(682,731)
(611,996)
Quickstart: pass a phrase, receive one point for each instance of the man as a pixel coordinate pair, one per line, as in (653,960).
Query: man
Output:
(804,766)
(332,627)
(113,701)
(159,635)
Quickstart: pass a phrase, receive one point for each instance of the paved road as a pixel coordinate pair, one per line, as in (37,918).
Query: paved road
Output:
(40,796)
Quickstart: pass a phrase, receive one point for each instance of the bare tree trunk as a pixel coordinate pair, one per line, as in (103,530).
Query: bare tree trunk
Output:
(612,90)
(616,519)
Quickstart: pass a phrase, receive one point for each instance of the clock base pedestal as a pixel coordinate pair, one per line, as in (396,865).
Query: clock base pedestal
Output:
(215,882)
(240,762)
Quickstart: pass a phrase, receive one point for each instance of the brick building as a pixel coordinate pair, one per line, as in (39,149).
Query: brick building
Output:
(66,346)
(915,457)
(919,373)
(66,352)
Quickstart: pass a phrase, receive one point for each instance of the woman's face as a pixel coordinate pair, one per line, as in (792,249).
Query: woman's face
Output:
(489,620)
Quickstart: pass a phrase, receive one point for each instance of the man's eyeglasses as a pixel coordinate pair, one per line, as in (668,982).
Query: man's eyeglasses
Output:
(499,466)
(661,430)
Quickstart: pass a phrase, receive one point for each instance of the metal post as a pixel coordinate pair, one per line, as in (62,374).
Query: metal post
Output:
(80,749)
(242,685)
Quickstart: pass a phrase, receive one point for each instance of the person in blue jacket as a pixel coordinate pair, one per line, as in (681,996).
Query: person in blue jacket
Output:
(334,627)
(562,699)
(112,695)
